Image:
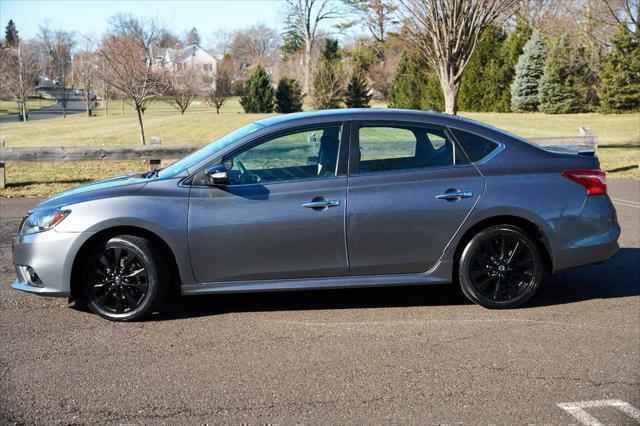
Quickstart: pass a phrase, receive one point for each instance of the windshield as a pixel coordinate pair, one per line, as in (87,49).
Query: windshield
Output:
(208,150)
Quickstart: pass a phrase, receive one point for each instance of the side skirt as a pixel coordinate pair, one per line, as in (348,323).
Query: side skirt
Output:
(437,276)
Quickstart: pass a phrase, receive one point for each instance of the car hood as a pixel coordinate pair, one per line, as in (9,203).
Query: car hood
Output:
(118,186)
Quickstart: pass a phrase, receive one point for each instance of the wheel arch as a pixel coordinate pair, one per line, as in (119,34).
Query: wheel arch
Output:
(532,229)
(76,270)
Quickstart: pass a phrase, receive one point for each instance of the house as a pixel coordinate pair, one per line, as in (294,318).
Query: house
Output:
(192,56)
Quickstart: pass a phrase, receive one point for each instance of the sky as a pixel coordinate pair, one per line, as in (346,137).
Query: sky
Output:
(90,17)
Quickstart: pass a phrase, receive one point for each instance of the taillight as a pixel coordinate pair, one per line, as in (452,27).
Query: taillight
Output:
(594,180)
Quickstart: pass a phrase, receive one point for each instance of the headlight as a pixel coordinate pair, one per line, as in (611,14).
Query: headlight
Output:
(42,221)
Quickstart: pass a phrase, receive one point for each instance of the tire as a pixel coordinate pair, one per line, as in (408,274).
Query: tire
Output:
(125,278)
(500,267)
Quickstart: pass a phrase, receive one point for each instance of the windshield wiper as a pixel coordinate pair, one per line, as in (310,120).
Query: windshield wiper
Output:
(153,173)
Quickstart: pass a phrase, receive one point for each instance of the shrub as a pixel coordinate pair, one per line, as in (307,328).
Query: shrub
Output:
(358,94)
(258,96)
(288,96)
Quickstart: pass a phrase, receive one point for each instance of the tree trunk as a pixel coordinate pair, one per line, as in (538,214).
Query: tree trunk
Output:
(139,112)
(450,92)
(122,106)
(106,106)
(307,67)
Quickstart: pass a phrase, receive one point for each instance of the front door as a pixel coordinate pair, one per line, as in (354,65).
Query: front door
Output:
(410,189)
(280,216)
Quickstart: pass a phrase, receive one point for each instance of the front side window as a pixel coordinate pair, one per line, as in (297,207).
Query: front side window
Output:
(388,148)
(306,154)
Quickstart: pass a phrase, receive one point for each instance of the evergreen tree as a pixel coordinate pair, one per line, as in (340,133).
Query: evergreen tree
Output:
(485,78)
(193,37)
(620,88)
(292,42)
(288,96)
(415,86)
(258,94)
(511,51)
(330,50)
(327,85)
(529,70)
(11,35)
(358,94)
(562,84)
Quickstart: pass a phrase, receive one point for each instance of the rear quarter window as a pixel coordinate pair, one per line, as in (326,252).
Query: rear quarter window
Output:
(476,147)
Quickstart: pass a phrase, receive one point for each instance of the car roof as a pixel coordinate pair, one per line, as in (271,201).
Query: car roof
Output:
(323,116)
(348,114)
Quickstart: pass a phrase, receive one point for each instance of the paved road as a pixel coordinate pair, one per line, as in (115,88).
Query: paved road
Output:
(399,355)
(75,105)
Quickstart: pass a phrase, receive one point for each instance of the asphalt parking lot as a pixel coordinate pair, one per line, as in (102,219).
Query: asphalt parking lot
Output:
(395,355)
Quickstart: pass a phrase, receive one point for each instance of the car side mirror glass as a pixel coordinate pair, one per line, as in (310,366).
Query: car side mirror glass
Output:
(217,175)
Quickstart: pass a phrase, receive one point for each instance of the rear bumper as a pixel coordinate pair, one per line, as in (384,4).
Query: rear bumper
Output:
(593,235)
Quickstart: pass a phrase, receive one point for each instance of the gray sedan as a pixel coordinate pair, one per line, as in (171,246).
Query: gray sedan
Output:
(346,198)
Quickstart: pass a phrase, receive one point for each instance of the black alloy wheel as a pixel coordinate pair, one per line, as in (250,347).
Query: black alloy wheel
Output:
(126,278)
(500,267)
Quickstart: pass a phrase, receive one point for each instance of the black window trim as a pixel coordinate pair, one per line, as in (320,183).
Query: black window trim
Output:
(343,153)
(354,161)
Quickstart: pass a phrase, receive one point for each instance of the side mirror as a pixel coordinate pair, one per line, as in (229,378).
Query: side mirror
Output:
(217,175)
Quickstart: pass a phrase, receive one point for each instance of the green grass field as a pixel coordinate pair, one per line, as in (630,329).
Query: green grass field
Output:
(11,107)
(618,138)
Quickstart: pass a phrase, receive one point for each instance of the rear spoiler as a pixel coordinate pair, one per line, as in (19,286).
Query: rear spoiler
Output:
(572,149)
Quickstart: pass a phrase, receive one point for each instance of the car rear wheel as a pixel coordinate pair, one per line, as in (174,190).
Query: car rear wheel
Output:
(500,267)
(125,278)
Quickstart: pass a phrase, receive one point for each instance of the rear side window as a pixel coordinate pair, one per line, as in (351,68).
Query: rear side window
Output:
(476,147)
(388,148)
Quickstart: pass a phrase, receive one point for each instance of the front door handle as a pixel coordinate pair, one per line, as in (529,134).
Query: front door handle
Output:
(454,195)
(321,203)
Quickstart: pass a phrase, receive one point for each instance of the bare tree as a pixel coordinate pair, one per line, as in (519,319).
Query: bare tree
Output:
(626,12)
(183,85)
(85,70)
(446,32)
(256,45)
(129,66)
(218,91)
(19,71)
(378,16)
(57,46)
(305,16)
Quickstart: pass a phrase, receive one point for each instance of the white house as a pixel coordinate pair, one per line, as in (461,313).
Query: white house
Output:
(192,56)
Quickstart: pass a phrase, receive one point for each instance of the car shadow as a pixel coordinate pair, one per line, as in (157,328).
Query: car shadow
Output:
(617,277)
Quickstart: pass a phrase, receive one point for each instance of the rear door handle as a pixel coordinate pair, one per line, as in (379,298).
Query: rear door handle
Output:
(454,195)
(321,204)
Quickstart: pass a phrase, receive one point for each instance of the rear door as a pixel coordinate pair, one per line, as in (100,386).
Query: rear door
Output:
(410,189)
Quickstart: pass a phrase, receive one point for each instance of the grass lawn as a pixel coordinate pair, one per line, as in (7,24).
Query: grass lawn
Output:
(618,139)
(11,107)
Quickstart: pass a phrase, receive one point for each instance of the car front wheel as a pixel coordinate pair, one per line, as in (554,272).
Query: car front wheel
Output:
(125,278)
(500,267)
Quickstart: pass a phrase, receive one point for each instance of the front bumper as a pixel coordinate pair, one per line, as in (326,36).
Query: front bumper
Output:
(49,255)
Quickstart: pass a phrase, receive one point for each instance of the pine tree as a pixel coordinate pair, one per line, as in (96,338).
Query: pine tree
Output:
(288,96)
(330,50)
(484,79)
(529,70)
(11,35)
(193,38)
(327,85)
(258,94)
(358,94)
(415,86)
(620,88)
(562,84)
